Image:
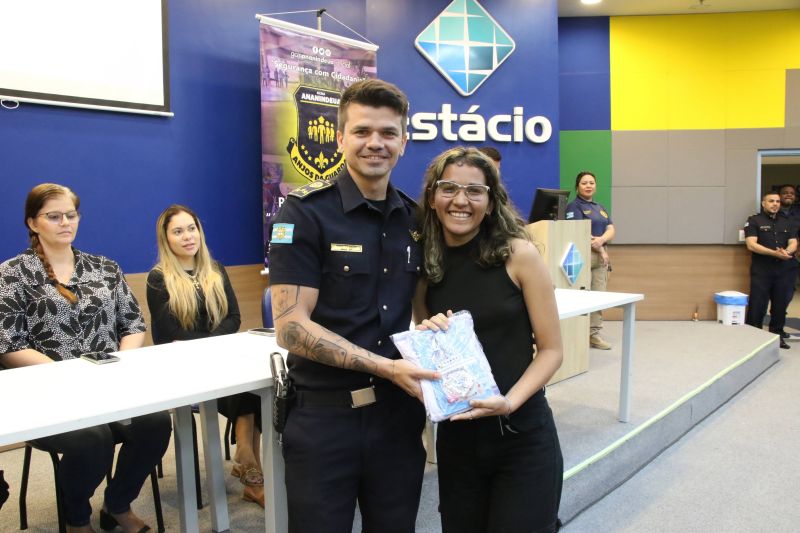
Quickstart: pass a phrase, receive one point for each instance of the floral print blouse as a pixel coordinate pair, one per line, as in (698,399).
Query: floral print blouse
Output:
(34,315)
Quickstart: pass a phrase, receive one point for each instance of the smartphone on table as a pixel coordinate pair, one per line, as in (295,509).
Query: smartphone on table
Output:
(99,358)
(269,332)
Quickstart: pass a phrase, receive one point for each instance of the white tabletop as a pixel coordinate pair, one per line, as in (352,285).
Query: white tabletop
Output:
(49,399)
(573,302)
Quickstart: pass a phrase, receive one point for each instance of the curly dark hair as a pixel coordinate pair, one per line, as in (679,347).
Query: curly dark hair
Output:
(501,223)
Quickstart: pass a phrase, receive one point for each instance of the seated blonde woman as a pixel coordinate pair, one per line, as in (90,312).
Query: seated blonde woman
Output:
(190,297)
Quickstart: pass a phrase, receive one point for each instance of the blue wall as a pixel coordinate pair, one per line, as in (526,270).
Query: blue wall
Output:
(584,73)
(128,168)
(528,78)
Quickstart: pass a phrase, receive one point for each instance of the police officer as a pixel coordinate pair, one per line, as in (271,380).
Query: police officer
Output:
(583,207)
(788,197)
(788,209)
(773,240)
(344,264)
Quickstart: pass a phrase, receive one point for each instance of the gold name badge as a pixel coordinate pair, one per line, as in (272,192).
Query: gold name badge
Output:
(354,248)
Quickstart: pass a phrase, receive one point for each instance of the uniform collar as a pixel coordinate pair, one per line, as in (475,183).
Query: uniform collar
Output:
(580,199)
(352,197)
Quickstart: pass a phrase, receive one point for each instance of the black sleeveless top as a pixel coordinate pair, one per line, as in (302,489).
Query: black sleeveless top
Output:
(501,319)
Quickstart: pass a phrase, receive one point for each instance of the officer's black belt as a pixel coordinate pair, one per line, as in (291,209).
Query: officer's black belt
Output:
(341,398)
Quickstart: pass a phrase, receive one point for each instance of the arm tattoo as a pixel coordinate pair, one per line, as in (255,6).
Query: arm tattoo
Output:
(335,351)
(295,337)
(285,300)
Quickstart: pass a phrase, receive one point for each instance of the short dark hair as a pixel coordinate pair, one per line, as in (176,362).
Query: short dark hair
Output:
(373,93)
(787,185)
(581,174)
(491,152)
(769,193)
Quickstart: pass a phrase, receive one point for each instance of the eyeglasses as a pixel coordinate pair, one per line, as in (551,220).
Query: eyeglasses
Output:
(449,189)
(55,217)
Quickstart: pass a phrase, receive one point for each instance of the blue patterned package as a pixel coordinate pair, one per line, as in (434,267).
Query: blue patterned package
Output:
(458,356)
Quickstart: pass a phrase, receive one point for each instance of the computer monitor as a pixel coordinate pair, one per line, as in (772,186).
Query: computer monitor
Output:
(548,204)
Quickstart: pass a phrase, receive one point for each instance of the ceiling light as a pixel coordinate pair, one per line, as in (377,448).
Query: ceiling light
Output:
(590,2)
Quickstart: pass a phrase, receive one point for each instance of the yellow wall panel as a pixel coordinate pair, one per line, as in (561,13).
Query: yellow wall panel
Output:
(746,88)
(645,94)
(685,109)
(718,70)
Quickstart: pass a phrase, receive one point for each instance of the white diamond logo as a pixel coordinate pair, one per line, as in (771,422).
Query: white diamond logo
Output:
(465,44)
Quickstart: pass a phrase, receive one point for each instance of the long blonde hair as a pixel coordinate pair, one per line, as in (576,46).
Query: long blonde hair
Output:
(180,286)
(36,199)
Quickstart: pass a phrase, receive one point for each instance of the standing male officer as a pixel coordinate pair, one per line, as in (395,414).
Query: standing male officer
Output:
(790,210)
(344,264)
(773,240)
(788,197)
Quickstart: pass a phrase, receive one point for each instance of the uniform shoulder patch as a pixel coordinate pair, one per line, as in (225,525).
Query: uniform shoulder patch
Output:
(310,188)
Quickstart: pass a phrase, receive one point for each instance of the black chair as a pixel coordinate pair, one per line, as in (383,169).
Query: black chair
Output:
(230,438)
(62,527)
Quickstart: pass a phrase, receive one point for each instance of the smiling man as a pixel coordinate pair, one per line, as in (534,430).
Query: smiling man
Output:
(773,240)
(344,264)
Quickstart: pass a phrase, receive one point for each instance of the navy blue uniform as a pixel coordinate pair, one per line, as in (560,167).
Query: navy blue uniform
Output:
(365,260)
(771,279)
(793,213)
(580,209)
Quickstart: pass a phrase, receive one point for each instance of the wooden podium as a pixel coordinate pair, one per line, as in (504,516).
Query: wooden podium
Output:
(553,238)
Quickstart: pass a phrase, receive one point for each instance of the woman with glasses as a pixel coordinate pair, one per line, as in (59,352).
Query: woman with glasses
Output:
(583,207)
(500,463)
(58,303)
(190,297)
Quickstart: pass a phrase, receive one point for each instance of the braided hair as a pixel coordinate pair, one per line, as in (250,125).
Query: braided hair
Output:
(38,196)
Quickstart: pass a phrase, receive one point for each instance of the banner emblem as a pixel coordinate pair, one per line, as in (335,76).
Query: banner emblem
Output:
(313,151)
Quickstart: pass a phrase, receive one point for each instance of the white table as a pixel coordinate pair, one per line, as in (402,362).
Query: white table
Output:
(575,303)
(74,394)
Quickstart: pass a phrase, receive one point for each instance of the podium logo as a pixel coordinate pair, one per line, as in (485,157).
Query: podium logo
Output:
(465,44)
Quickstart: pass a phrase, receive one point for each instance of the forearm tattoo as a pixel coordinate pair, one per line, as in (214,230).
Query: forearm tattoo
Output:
(333,351)
(284,301)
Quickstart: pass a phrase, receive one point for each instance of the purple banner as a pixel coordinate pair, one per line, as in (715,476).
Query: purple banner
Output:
(303,74)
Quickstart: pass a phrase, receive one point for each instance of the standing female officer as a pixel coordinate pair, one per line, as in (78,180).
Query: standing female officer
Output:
(584,207)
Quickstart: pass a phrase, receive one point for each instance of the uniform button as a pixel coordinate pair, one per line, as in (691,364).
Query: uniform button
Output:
(380,343)
(417,269)
(346,268)
(384,235)
(385,270)
(385,307)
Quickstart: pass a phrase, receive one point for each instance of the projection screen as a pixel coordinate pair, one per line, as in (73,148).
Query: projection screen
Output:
(99,54)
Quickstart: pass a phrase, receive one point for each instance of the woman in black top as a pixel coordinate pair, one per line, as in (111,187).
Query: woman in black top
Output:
(500,464)
(190,297)
(58,303)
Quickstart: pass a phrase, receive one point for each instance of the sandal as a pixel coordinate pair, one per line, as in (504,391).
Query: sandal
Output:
(251,494)
(249,475)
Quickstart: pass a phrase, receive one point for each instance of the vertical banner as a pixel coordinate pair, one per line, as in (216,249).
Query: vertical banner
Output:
(303,74)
